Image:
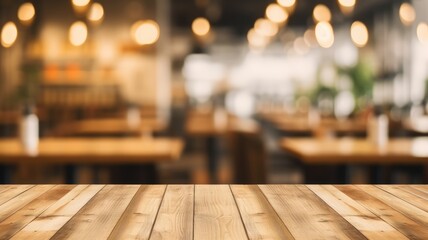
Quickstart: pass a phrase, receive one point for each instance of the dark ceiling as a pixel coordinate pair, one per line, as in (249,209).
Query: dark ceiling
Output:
(241,14)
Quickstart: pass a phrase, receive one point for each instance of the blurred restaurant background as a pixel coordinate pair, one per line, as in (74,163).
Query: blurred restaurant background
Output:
(214,91)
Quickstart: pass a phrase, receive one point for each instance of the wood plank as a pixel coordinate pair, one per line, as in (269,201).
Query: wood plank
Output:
(99,216)
(58,214)
(422,188)
(95,150)
(343,151)
(19,201)
(401,222)
(175,217)
(306,216)
(10,191)
(137,221)
(398,204)
(11,225)
(411,189)
(216,214)
(401,192)
(362,219)
(260,219)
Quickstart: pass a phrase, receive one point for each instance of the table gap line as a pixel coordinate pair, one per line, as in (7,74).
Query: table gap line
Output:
(157,212)
(403,199)
(274,210)
(123,213)
(332,209)
(78,212)
(410,216)
(194,204)
(38,215)
(51,186)
(380,215)
(414,192)
(31,186)
(239,212)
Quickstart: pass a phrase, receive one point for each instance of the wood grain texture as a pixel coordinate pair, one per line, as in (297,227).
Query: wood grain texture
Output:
(59,213)
(354,150)
(175,217)
(216,214)
(260,219)
(306,215)
(100,215)
(19,201)
(415,191)
(408,196)
(94,150)
(11,225)
(399,221)
(137,222)
(398,204)
(361,218)
(10,191)
(213,212)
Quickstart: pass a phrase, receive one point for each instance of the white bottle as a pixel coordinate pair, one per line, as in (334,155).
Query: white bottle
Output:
(378,130)
(133,117)
(29,132)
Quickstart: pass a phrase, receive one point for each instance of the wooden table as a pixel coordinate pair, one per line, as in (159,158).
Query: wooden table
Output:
(210,128)
(301,126)
(94,151)
(345,151)
(109,127)
(213,212)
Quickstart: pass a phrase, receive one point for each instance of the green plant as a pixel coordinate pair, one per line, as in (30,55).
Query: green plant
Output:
(362,78)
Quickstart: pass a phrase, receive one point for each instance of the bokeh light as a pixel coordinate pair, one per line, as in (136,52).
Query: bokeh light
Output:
(265,27)
(276,13)
(26,13)
(321,13)
(80,3)
(346,6)
(145,32)
(9,34)
(359,34)
(407,14)
(324,34)
(78,33)
(201,26)
(96,13)
(256,40)
(422,32)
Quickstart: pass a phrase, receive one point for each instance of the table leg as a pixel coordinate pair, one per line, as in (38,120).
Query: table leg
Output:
(380,174)
(70,174)
(326,174)
(213,156)
(425,177)
(5,174)
(134,174)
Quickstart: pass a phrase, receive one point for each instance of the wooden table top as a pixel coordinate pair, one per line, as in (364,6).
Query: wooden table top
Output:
(109,126)
(350,150)
(213,212)
(302,125)
(94,150)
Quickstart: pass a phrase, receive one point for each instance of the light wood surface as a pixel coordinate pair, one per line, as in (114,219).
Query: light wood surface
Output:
(208,124)
(349,150)
(302,124)
(109,127)
(94,150)
(213,212)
